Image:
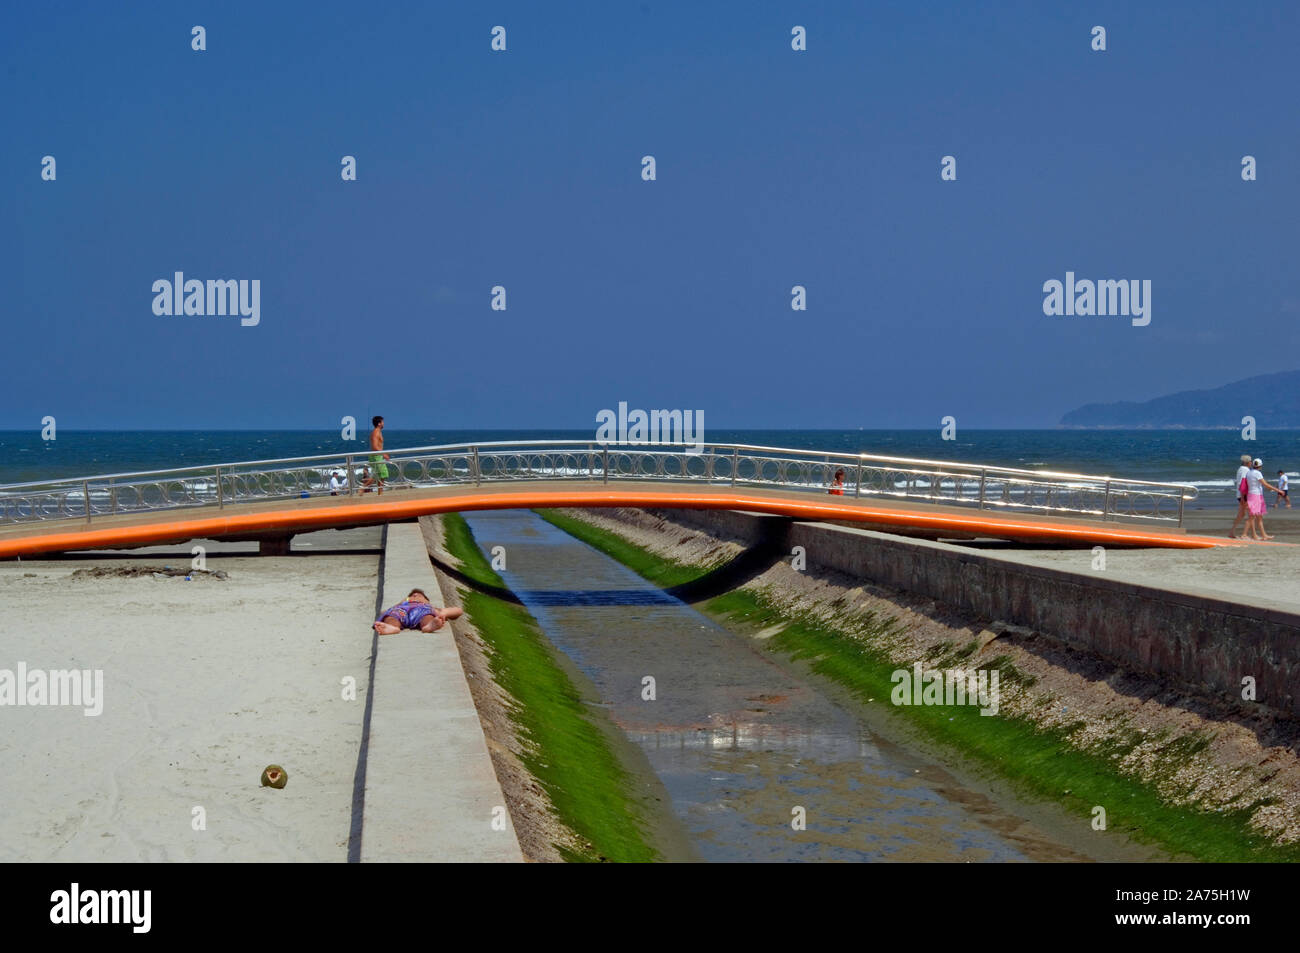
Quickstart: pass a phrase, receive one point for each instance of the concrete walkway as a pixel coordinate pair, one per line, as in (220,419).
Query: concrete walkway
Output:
(430,791)
(1263,575)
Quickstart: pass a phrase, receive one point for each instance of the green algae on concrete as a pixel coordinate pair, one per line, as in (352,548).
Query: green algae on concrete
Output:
(563,748)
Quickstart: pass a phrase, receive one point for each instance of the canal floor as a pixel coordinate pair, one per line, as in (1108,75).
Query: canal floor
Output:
(760,763)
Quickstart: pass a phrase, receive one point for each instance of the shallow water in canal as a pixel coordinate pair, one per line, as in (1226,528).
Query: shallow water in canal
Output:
(740,742)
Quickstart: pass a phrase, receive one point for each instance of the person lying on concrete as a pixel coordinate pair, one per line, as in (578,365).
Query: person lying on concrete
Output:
(415,613)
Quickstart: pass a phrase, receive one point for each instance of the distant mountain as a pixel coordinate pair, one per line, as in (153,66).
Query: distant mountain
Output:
(1272,399)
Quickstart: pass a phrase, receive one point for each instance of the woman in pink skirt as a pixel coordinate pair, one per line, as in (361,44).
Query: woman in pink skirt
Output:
(1255,487)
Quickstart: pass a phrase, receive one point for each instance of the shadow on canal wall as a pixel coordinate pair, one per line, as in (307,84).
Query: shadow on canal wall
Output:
(769,546)
(496,592)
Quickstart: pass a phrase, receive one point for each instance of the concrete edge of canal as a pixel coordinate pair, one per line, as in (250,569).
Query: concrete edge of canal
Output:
(431,793)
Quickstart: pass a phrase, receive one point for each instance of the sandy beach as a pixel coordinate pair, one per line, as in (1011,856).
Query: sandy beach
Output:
(206,682)
(1282,523)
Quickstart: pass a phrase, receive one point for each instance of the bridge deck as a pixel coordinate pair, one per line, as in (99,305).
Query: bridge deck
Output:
(285,517)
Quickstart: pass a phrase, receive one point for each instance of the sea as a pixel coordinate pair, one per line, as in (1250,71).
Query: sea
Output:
(1207,459)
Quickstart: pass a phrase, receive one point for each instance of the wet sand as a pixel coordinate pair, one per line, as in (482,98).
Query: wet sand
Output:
(1283,523)
(205,683)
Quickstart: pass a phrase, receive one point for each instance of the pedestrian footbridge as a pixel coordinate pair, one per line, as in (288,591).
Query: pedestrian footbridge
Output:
(270,500)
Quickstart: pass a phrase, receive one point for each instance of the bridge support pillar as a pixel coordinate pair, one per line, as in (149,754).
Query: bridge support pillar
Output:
(274,545)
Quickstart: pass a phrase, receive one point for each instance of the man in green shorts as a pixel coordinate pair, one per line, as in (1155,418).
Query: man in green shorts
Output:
(378,468)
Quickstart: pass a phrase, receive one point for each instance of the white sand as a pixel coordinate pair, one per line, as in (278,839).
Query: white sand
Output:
(205,683)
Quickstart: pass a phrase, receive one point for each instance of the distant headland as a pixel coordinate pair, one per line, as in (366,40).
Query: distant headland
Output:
(1271,399)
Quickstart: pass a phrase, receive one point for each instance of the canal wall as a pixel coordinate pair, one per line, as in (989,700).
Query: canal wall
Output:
(1200,643)
(430,790)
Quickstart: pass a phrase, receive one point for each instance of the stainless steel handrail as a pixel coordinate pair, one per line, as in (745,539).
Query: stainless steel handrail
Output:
(936,481)
(852,457)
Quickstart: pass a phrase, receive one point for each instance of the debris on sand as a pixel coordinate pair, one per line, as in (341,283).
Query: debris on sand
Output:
(274,776)
(131,572)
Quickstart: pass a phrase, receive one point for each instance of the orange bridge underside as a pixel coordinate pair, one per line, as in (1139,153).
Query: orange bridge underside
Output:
(254,520)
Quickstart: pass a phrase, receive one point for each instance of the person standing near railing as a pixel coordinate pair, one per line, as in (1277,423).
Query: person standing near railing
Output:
(837,485)
(377,458)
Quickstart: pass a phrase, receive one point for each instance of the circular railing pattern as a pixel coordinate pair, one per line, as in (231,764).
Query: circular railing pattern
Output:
(789,470)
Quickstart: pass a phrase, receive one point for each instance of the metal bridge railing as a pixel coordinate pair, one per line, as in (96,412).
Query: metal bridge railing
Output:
(866,476)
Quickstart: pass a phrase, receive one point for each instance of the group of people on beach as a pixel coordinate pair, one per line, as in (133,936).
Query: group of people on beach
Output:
(1250,497)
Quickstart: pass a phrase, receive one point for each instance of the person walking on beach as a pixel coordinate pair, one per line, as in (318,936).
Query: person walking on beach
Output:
(1255,487)
(1282,484)
(1242,512)
(338,483)
(415,612)
(377,458)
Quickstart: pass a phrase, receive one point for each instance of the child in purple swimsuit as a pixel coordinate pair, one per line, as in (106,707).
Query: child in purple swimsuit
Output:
(415,613)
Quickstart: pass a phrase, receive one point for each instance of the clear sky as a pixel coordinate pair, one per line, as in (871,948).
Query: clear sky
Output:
(522,168)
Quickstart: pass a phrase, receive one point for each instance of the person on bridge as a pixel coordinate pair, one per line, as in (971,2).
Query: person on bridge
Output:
(377,459)
(837,485)
(415,612)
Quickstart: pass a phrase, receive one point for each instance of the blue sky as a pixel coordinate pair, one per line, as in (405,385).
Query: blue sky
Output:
(522,169)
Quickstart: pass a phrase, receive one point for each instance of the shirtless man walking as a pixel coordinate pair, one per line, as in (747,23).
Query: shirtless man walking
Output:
(378,468)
